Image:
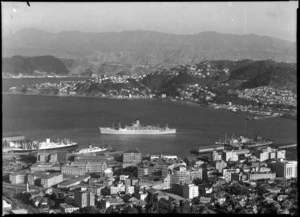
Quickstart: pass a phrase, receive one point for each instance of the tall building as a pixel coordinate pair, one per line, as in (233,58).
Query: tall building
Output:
(180,175)
(270,153)
(286,169)
(84,198)
(190,191)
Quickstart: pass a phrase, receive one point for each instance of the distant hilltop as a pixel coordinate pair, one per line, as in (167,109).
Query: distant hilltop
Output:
(146,47)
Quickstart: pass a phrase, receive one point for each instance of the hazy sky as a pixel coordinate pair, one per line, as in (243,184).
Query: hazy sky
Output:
(277,19)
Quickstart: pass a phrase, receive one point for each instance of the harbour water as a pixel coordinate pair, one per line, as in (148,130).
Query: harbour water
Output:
(77,118)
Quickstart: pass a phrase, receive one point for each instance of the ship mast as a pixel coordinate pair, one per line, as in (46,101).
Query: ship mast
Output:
(113,125)
(119,125)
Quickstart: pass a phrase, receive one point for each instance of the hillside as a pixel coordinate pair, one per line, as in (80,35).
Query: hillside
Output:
(263,73)
(146,47)
(33,65)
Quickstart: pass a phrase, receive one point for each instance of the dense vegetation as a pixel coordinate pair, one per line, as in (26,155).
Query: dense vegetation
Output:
(33,65)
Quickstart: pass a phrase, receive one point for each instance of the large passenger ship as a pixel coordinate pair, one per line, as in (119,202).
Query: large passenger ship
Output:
(29,146)
(137,128)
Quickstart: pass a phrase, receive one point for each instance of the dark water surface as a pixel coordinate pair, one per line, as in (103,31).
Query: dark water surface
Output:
(41,117)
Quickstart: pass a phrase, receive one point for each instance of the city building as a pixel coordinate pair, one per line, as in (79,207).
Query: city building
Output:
(132,156)
(123,177)
(180,175)
(229,155)
(52,157)
(73,182)
(257,176)
(227,173)
(286,169)
(142,171)
(129,189)
(45,166)
(66,208)
(51,179)
(71,170)
(84,198)
(117,188)
(241,176)
(18,178)
(220,165)
(190,191)
(196,173)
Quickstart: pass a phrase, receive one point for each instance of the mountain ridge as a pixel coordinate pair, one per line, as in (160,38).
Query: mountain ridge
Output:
(147,47)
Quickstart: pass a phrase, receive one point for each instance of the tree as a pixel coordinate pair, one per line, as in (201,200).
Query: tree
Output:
(51,203)
(89,210)
(187,161)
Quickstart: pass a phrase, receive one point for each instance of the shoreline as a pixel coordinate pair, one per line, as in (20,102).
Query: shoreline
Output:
(45,77)
(106,97)
(190,103)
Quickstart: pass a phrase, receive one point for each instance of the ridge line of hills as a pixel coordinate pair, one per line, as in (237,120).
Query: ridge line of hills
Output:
(147,47)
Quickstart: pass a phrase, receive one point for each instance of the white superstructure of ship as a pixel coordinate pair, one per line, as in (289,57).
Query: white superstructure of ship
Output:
(63,143)
(90,149)
(136,128)
(28,146)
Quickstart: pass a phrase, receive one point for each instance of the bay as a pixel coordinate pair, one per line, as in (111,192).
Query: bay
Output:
(41,117)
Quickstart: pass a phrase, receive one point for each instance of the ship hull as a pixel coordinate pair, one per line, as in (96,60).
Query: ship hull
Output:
(44,149)
(135,132)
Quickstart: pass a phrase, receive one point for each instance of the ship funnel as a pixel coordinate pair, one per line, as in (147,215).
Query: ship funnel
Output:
(137,121)
(47,140)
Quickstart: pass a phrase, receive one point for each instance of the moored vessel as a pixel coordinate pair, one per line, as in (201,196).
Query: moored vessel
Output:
(29,146)
(90,149)
(137,128)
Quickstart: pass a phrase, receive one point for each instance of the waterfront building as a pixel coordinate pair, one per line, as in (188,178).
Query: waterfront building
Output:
(41,166)
(84,198)
(190,191)
(51,179)
(18,178)
(92,158)
(52,156)
(229,155)
(269,153)
(132,156)
(66,208)
(73,182)
(286,169)
(70,170)
(34,178)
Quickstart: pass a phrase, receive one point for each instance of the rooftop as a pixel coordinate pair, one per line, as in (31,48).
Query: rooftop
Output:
(132,151)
